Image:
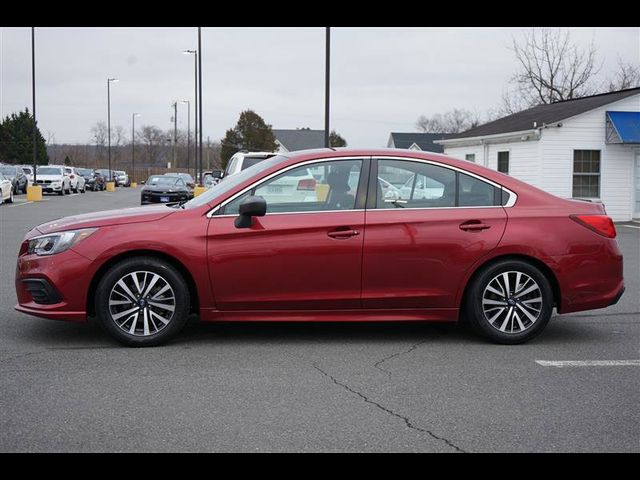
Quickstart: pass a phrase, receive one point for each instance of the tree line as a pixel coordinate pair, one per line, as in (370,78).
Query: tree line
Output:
(550,68)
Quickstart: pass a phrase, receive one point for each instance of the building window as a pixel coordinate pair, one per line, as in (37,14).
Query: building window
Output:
(470,157)
(586,173)
(503,162)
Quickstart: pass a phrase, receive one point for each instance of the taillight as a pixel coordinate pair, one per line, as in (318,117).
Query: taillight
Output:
(601,224)
(307,184)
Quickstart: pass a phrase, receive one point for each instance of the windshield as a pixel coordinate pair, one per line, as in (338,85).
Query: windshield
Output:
(49,171)
(27,169)
(8,170)
(233,181)
(85,172)
(158,180)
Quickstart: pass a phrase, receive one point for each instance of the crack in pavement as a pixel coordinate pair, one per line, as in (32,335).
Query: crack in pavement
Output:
(390,412)
(394,355)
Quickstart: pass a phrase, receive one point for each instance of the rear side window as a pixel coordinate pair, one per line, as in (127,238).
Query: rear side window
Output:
(408,184)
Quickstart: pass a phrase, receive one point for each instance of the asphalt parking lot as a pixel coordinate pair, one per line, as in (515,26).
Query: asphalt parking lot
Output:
(314,387)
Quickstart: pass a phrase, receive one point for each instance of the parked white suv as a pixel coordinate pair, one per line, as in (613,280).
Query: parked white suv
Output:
(53,179)
(76,180)
(243,160)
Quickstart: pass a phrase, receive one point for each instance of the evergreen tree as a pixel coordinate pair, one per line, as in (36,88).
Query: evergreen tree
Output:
(250,133)
(336,140)
(67,160)
(16,140)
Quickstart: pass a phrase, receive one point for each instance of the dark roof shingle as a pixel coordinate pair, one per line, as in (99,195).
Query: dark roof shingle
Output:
(548,113)
(423,140)
(299,139)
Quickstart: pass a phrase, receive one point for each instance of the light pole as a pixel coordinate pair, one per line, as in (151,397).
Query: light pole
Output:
(200,104)
(195,133)
(188,130)
(109,80)
(33,94)
(175,134)
(326,86)
(133,145)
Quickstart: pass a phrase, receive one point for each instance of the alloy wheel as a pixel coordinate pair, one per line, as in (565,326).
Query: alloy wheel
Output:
(512,302)
(142,303)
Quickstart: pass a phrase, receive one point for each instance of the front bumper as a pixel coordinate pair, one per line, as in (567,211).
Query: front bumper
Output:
(147,198)
(68,276)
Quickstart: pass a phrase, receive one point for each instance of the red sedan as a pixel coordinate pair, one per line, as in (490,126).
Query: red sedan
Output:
(330,235)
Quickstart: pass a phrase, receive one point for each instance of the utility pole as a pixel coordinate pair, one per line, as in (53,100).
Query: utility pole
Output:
(188,131)
(200,105)
(326,86)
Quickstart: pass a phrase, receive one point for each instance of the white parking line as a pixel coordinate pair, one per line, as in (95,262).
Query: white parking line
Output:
(589,363)
(629,226)
(16,204)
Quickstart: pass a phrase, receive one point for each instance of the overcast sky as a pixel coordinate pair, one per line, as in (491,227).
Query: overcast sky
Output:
(382,79)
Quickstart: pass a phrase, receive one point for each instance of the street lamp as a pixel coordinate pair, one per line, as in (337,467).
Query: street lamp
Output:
(133,144)
(175,133)
(188,130)
(195,54)
(327,63)
(109,80)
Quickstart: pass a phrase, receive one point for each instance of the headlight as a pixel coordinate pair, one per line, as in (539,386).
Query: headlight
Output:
(57,242)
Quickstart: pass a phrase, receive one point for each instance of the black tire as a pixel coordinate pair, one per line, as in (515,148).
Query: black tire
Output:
(479,320)
(169,274)
(10,199)
(61,192)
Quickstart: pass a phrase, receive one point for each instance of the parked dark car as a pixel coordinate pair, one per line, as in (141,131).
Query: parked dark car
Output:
(18,179)
(99,182)
(89,179)
(165,189)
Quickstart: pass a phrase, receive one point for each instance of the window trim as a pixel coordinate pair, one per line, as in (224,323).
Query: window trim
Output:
(573,171)
(366,160)
(508,152)
(513,197)
(370,166)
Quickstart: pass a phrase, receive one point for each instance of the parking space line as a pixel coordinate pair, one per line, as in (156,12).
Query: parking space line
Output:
(629,226)
(21,203)
(589,363)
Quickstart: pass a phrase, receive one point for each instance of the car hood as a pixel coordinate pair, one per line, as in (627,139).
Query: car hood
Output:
(108,217)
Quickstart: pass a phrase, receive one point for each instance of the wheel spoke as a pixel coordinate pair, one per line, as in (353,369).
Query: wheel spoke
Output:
(529,315)
(154,314)
(488,301)
(124,287)
(153,281)
(506,319)
(116,316)
(528,290)
(134,323)
(145,321)
(505,278)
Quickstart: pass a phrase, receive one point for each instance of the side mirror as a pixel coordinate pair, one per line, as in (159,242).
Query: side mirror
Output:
(216,173)
(142,182)
(252,206)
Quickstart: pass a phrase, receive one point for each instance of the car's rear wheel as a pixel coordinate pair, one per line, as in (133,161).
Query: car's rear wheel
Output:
(142,301)
(10,199)
(509,302)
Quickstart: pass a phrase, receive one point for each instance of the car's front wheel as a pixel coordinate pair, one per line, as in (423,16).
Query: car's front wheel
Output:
(509,302)
(142,301)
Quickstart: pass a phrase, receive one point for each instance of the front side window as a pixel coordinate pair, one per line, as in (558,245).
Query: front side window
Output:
(503,162)
(586,174)
(325,186)
(405,184)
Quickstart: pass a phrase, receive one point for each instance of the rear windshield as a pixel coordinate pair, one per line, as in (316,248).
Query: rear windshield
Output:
(251,161)
(8,170)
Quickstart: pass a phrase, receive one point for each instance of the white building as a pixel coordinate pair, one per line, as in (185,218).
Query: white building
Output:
(583,148)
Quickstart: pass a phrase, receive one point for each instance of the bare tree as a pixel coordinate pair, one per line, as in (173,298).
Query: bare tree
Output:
(627,76)
(453,121)
(551,68)
(153,139)
(99,134)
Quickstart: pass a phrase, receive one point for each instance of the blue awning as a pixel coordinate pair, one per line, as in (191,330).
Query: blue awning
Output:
(623,127)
